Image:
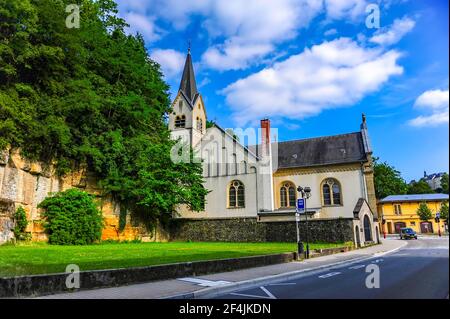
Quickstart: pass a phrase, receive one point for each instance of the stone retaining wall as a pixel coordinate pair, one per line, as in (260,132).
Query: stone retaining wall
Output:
(24,183)
(250,230)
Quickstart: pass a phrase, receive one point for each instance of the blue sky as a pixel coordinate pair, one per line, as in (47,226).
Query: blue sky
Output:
(312,67)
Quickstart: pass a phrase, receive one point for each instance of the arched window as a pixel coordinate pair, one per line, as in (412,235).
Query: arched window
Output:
(180,106)
(199,124)
(287,195)
(180,121)
(236,195)
(331,192)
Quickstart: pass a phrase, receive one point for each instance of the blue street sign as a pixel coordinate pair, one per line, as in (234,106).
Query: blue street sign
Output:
(300,205)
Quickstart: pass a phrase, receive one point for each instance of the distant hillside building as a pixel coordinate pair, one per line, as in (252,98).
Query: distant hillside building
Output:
(259,183)
(434,180)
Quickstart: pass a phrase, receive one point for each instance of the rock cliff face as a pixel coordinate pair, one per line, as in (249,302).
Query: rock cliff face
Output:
(24,183)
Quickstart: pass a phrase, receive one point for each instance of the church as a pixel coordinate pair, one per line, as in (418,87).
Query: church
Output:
(249,175)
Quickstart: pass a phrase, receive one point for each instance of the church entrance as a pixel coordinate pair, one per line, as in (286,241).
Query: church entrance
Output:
(367,229)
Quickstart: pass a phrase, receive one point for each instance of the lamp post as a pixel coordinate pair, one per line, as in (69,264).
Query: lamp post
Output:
(305,193)
(437,220)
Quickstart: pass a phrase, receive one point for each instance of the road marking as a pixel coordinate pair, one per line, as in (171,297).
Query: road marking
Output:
(204,282)
(283,284)
(267,292)
(357,267)
(378,260)
(331,274)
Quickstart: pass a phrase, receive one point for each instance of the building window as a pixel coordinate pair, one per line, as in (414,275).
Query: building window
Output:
(331,192)
(180,121)
(287,195)
(199,124)
(397,209)
(236,195)
(180,106)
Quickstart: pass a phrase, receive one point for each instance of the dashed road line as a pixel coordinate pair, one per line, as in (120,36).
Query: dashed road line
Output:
(331,274)
(357,267)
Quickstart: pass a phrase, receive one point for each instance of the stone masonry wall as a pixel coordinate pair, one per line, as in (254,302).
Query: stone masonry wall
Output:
(250,230)
(26,184)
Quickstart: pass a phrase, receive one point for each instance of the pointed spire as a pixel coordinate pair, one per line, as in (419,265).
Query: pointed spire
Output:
(363,124)
(187,84)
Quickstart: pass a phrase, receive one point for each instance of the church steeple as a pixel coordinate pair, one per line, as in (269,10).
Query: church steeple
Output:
(188,85)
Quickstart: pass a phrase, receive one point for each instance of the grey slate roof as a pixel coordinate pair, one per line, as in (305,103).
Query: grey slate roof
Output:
(414,198)
(187,84)
(327,150)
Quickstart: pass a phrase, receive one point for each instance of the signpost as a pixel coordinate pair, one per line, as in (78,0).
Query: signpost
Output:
(437,219)
(300,208)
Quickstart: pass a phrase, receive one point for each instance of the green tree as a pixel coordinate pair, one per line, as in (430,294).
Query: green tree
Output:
(91,96)
(387,180)
(444,212)
(424,212)
(20,224)
(444,183)
(420,187)
(72,218)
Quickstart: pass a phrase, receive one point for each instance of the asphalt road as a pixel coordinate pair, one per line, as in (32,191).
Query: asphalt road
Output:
(419,270)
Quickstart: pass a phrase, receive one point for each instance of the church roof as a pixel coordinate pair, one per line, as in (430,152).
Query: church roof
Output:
(327,150)
(187,84)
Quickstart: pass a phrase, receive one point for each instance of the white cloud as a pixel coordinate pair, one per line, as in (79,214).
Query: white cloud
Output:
(330,32)
(233,57)
(345,9)
(330,75)
(171,62)
(430,120)
(144,25)
(436,101)
(252,28)
(393,33)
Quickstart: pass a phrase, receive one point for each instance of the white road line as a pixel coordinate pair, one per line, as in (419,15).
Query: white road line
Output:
(357,267)
(331,274)
(204,282)
(378,260)
(267,292)
(251,296)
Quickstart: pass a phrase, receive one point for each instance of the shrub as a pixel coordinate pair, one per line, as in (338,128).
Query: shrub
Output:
(424,212)
(21,223)
(72,218)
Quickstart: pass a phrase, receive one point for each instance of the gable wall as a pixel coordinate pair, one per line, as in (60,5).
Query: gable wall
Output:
(349,177)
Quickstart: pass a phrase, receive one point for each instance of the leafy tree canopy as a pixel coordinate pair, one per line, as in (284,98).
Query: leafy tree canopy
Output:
(420,187)
(90,96)
(444,212)
(424,212)
(387,180)
(444,183)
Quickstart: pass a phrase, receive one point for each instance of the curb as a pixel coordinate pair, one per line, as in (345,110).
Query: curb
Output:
(251,283)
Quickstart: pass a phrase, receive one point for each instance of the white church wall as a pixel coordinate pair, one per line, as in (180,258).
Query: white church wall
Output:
(351,191)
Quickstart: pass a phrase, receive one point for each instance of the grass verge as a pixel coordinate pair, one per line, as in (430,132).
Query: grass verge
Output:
(41,258)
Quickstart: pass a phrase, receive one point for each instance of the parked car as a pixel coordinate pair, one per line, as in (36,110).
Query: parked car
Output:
(407,233)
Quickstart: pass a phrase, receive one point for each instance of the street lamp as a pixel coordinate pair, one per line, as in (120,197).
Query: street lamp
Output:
(305,193)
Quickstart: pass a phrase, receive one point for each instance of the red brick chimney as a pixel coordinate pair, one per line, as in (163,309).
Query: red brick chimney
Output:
(265,136)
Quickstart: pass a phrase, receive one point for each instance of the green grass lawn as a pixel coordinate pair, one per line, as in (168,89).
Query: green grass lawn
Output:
(40,258)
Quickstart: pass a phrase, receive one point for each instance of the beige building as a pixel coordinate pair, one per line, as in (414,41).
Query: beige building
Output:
(260,181)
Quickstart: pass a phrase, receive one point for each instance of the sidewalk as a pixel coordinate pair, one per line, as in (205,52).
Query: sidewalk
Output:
(180,286)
